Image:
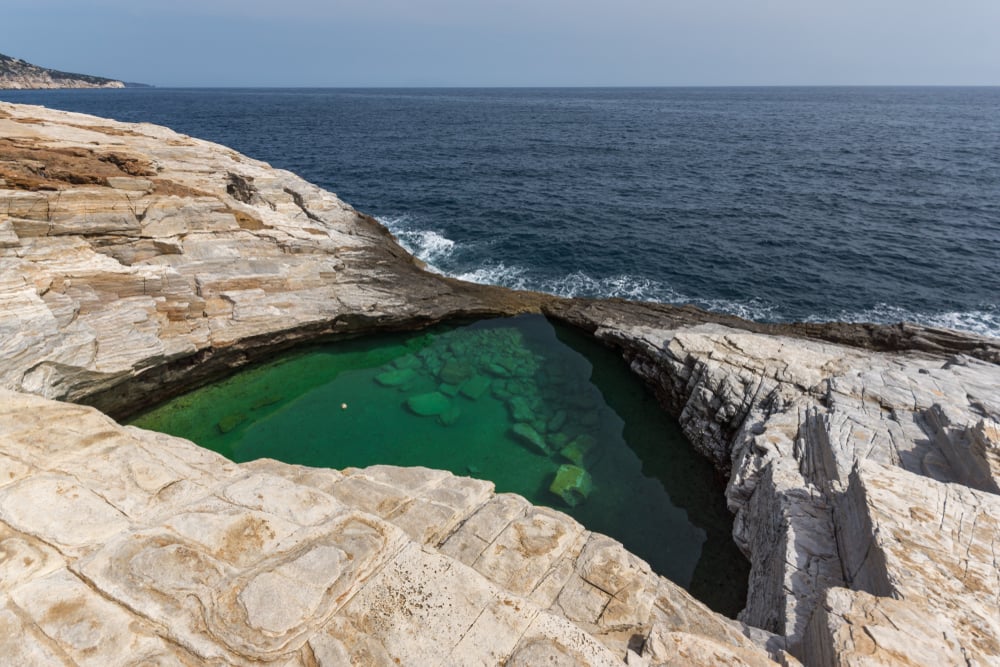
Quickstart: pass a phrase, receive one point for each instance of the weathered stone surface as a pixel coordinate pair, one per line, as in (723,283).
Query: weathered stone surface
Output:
(927,542)
(140,256)
(854,628)
(811,433)
(175,555)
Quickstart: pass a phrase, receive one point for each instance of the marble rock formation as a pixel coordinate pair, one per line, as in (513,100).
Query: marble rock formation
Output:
(129,252)
(853,473)
(124,546)
(136,262)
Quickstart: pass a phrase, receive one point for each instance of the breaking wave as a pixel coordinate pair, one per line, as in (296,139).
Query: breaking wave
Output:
(983,321)
(428,245)
(443,255)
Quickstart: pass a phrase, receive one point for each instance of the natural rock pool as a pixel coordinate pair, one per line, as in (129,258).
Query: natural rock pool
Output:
(539,409)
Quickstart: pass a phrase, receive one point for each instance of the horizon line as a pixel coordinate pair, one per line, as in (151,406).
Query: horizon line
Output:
(130,85)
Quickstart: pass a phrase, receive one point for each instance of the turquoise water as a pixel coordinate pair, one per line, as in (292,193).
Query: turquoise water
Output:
(540,410)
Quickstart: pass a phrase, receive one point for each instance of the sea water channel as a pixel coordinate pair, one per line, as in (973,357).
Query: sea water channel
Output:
(539,409)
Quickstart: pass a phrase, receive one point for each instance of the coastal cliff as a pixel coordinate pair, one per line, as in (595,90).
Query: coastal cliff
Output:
(18,74)
(136,263)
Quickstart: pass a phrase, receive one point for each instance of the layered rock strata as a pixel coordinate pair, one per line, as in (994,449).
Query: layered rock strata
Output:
(849,469)
(134,259)
(136,262)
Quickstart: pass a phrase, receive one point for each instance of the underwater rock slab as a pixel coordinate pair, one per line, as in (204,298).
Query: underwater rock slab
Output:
(456,372)
(579,449)
(429,404)
(528,435)
(520,409)
(573,484)
(230,422)
(475,387)
(164,550)
(396,377)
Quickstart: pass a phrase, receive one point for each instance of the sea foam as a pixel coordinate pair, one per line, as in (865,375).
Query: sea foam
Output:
(441,254)
(984,321)
(427,245)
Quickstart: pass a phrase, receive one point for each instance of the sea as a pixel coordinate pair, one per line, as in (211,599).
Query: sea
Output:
(863,204)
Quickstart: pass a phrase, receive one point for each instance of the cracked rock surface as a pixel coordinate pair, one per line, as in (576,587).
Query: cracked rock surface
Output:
(131,256)
(851,472)
(124,546)
(136,263)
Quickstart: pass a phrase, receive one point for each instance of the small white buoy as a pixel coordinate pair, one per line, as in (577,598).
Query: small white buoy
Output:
(343,406)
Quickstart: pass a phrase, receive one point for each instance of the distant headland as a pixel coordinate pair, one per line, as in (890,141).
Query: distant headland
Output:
(18,74)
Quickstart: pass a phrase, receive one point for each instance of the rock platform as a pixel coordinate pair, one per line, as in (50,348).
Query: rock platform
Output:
(136,263)
(124,546)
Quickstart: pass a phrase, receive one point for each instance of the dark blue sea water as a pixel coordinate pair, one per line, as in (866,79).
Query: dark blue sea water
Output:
(861,204)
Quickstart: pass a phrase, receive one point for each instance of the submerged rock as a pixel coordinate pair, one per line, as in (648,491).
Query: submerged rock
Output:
(448,389)
(500,391)
(456,372)
(396,377)
(578,449)
(407,361)
(230,422)
(498,370)
(557,422)
(475,386)
(429,404)
(450,416)
(527,434)
(572,483)
(520,409)
(558,440)
(265,401)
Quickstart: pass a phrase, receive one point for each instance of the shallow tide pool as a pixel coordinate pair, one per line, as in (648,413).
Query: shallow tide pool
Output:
(540,410)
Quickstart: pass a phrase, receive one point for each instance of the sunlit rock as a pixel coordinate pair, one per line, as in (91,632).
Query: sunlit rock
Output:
(573,484)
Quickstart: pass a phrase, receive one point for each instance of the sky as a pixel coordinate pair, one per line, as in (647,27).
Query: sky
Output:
(511,42)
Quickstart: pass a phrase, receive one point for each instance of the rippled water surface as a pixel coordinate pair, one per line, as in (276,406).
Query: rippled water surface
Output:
(540,411)
(876,204)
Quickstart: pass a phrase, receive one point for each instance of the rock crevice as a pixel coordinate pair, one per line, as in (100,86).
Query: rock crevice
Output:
(804,429)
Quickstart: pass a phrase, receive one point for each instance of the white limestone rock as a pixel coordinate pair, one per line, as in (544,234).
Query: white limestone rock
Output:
(118,544)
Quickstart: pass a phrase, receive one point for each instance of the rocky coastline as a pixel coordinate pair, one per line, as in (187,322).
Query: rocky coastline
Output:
(16,74)
(136,263)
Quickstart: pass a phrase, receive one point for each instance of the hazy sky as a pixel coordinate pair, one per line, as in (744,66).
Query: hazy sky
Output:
(511,42)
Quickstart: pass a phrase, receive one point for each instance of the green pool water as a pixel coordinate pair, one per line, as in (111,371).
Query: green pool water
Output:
(539,409)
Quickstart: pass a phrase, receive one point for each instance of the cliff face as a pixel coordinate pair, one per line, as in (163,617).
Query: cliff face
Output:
(18,74)
(864,482)
(135,262)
